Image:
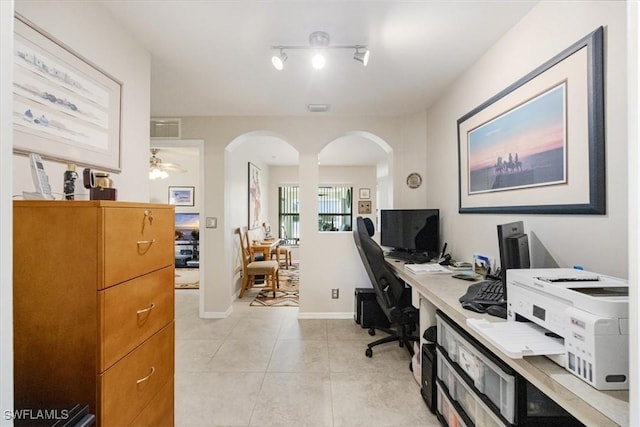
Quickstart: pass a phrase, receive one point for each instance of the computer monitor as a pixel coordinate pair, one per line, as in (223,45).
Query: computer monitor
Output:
(513,245)
(411,230)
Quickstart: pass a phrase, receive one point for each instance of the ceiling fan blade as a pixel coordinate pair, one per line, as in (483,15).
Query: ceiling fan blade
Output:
(171,167)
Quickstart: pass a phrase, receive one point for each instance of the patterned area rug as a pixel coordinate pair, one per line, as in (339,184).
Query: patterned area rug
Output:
(187,278)
(286,295)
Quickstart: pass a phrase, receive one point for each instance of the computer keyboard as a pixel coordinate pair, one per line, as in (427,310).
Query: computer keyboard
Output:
(487,292)
(409,257)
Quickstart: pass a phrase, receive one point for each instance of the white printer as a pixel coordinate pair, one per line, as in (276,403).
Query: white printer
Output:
(589,311)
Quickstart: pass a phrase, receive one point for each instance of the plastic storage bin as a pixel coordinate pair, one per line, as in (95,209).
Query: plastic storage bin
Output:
(487,377)
(477,411)
(471,376)
(447,411)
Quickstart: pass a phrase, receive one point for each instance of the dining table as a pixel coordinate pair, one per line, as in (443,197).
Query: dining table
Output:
(265,246)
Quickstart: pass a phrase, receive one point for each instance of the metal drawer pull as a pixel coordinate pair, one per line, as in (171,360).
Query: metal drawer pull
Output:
(145,310)
(141,380)
(149,214)
(146,242)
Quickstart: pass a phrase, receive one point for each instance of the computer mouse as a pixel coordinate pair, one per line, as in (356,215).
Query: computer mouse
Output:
(498,311)
(474,306)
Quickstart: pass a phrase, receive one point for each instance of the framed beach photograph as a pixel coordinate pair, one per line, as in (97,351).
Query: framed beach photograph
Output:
(64,108)
(254,188)
(181,196)
(538,146)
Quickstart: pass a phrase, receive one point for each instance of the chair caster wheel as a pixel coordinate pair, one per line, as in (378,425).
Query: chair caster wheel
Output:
(372,331)
(368,352)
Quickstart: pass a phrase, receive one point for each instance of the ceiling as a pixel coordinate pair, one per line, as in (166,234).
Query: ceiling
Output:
(213,58)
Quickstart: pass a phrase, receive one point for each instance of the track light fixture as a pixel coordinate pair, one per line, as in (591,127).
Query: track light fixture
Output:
(279,60)
(362,56)
(319,41)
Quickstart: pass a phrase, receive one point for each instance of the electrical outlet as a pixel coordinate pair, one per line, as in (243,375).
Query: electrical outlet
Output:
(335,293)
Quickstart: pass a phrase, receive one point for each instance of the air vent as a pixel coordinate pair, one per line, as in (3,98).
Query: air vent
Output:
(165,128)
(318,108)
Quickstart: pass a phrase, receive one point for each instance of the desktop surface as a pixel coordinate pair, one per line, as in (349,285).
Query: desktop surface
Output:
(589,405)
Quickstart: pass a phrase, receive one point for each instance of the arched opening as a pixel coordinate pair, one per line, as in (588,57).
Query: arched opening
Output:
(256,164)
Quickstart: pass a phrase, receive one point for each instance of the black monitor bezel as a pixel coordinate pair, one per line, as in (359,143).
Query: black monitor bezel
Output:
(427,213)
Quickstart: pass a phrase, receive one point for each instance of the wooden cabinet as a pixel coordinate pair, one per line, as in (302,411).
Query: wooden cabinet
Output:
(94,308)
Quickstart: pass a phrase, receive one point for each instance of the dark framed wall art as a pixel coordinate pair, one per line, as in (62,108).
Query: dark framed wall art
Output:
(538,146)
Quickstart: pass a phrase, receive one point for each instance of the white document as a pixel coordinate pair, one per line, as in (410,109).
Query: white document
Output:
(426,268)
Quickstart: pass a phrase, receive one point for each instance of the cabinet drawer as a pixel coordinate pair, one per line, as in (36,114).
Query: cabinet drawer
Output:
(133,311)
(158,413)
(136,241)
(130,385)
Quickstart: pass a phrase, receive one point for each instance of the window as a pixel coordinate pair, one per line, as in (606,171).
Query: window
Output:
(289,214)
(334,211)
(334,208)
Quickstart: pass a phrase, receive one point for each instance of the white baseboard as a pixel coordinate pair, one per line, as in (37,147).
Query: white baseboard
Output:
(216,314)
(330,315)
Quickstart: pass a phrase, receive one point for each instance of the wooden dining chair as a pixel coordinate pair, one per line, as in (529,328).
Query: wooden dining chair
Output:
(279,250)
(250,269)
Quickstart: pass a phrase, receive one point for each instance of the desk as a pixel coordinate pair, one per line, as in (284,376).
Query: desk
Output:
(590,406)
(265,247)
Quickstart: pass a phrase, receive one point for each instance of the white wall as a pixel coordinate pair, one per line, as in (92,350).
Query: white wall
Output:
(89,30)
(226,183)
(6,210)
(187,158)
(633,79)
(599,243)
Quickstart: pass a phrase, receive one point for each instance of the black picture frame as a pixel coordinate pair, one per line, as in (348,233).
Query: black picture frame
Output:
(588,172)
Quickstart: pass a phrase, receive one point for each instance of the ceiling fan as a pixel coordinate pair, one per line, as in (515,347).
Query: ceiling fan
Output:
(160,169)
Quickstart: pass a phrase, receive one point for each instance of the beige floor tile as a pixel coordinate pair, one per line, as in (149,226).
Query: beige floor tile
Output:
(300,356)
(303,329)
(195,355)
(262,366)
(294,399)
(216,398)
(377,399)
(242,356)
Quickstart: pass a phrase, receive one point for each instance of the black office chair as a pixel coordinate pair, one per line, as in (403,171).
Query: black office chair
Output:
(392,295)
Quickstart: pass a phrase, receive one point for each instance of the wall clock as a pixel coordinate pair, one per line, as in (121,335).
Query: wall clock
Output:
(414,180)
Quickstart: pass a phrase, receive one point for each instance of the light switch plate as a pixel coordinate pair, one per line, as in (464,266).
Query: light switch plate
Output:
(211,222)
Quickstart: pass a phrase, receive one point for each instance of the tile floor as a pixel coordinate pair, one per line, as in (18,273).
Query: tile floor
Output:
(264,367)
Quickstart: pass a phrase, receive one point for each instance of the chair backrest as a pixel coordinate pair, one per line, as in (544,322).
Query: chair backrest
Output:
(244,246)
(388,287)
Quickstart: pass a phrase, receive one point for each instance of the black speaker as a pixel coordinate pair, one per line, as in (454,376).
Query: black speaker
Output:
(429,366)
(367,312)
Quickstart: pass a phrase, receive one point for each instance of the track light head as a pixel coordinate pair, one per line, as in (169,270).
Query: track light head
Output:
(362,56)
(279,60)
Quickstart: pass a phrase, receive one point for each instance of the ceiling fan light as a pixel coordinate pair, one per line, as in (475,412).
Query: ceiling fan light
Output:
(318,62)
(279,60)
(156,173)
(362,56)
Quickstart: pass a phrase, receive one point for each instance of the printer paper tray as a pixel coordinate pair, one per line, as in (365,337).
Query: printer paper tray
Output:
(518,339)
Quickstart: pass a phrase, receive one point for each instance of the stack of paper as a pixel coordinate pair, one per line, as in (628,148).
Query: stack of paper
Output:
(426,268)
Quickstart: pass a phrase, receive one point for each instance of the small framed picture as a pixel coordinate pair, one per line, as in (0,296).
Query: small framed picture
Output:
(364,206)
(181,196)
(365,193)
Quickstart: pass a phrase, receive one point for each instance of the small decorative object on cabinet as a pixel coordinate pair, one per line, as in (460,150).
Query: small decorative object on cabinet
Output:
(94,309)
